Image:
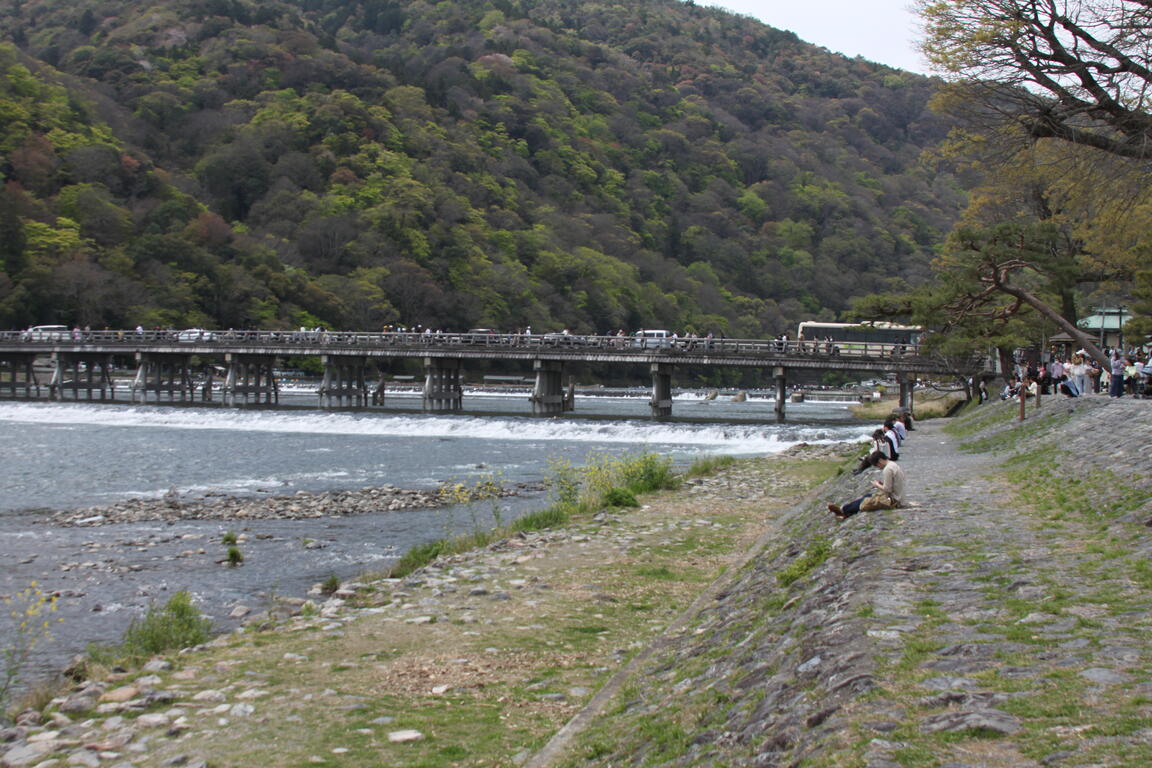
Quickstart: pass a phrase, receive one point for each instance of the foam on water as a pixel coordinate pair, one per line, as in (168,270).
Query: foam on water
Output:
(748,439)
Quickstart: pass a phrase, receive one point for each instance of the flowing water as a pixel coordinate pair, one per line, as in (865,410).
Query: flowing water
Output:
(65,455)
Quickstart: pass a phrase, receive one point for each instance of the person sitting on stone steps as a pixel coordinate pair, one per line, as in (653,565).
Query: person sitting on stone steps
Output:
(888,494)
(880,444)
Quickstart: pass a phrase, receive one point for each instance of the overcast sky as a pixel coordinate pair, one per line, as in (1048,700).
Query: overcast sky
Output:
(879,30)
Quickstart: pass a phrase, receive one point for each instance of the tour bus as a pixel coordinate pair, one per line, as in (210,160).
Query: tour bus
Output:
(855,338)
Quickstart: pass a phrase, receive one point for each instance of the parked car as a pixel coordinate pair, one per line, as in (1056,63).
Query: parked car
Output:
(192,335)
(47,333)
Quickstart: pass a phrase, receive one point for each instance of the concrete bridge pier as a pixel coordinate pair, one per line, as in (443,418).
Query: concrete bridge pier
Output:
(67,375)
(548,397)
(907,382)
(378,393)
(343,380)
(21,373)
(162,373)
(781,376)
(250,376)
(442,390)
(661,402)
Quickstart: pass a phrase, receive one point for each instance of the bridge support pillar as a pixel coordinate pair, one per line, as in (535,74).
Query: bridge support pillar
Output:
(442,390)
(378,393)
(21,370)
(906,385)
(162,373)
(344,380)
(548,397)
(661,402)
(250,376)
(67,375)
(781,376)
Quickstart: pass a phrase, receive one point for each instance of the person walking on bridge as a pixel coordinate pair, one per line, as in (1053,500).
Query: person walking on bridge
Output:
(888,494)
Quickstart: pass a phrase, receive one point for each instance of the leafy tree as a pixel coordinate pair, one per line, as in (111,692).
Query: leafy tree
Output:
(1053,90)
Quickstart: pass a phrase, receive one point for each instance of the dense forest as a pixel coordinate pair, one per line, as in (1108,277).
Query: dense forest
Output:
(498,163)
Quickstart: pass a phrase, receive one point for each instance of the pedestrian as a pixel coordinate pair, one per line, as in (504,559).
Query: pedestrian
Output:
(889,491)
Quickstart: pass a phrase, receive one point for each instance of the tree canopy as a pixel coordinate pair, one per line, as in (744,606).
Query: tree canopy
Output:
(1052,101)
(500,164)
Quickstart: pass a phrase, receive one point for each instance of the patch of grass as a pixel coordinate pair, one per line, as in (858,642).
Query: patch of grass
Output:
(818,551)
(175,625)
(708,465)
(234,557)
(657,572)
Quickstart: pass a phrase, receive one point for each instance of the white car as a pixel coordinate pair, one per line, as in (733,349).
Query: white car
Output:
(193,335)
(652,339)
(47,333)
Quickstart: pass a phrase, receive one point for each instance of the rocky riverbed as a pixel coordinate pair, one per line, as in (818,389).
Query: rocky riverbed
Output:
(999,619)
(108,564)
(301,505)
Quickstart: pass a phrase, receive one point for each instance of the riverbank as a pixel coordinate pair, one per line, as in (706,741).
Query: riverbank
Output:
(997,620)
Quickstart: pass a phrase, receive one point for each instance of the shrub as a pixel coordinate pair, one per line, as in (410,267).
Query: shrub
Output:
(229,539)
(619,497)
(176,624)
(235,556)
(29,611)
(330,585)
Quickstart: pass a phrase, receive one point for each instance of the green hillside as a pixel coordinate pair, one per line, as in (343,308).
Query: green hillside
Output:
(589,165)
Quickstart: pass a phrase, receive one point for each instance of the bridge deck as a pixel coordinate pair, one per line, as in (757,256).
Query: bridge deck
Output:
(757,353)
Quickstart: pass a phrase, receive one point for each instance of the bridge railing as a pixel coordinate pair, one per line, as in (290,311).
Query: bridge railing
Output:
(673,347)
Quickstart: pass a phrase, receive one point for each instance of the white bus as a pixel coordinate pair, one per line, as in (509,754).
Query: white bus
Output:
(858,338)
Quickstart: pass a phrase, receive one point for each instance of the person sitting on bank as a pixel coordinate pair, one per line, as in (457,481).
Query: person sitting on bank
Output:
(880,444)
(888,494)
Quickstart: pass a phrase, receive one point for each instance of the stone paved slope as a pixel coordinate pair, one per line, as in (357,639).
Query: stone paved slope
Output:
(1000,620)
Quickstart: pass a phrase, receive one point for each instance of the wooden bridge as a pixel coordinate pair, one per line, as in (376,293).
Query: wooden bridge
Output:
(184,365)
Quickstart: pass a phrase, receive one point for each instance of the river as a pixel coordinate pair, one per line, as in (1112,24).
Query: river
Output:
(67,455)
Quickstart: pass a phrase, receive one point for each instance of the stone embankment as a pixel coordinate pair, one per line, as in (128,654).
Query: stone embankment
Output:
(298,506)
(999,619)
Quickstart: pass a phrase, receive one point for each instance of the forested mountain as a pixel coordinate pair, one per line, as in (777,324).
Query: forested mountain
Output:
(501,163)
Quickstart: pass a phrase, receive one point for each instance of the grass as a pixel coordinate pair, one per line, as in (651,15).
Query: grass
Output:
(175,625)
(925,405)
(604,481)
(708,465)
(818,551)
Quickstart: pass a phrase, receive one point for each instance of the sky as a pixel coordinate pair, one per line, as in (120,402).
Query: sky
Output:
(879,30)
